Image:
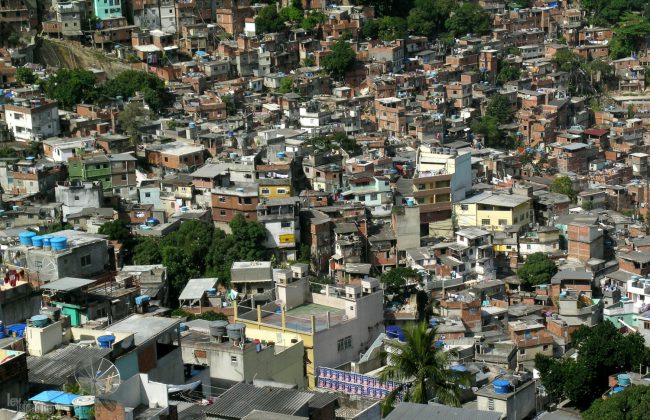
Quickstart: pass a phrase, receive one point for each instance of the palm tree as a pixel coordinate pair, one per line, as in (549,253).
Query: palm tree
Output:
(422,368)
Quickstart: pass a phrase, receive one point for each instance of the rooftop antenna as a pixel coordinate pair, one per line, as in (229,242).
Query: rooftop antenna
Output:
(98,378)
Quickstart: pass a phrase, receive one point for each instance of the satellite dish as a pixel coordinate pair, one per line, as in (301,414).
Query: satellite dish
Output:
(98,378)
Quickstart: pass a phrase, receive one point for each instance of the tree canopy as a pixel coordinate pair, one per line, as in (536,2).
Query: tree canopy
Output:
(631,404)
(425,366)
(468,18)
(116,230)
(500,108)
(269,20)
(602,351)
(132,118)
(25,76)
(563,185)
(340,60)
(71,87)
(428,17)
(127,83)
(390,28)
(629,33)
(395,279)
(538,269)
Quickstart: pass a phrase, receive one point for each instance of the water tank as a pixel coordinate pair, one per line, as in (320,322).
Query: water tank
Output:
(281,155)
(40,321)
(501,386)
(192,125)
(236,332)
(142,299)
(51,312)
(219,329)
(183,327)
(46,242)
(623,379)
(59,243)
(84,407)
(16,330)
(37,241)
(26,237)
(617,389)
(106,341)
(393,331)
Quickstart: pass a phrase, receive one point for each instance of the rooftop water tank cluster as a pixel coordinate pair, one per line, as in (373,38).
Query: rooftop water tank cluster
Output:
(56,243)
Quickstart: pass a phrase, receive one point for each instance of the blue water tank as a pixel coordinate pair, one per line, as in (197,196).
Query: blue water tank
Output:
(26,237)
(183,327)
(142,299)
(106,341)
(192,125)
(16,330)
(393,331)
(37,241)
(281,155)
(59,243)
(501,386)
(433,322)
(39,321)
(617,389)
(46,242)
(623,379)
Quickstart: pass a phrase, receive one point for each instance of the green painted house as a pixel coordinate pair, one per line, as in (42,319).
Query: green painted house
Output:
(115,172)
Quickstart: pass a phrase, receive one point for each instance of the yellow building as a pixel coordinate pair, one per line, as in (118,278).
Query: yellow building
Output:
(334,326)
(275,188)
(493,211)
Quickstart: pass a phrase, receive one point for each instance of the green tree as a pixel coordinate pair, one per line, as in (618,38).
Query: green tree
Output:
(602,351)
(116,230)
(391,28)
(468,18)
(488,127)
(25,76)
(500,108)
(370,29)
(428,17)
(286,85)
(268,20)
(147,251)
(291,14)
(419,362)
(538,269)
(395,279)
(127,83)
(71,87)
(508,72)
(340,60)
(629,33)
(312,19)
(563,185)
(631,404)
(231,107)
(566,60)
(132,118)
(9,152)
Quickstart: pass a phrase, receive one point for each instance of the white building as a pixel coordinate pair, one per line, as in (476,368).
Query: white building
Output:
(313,119)
(280,217)
(58,149)
(31,120)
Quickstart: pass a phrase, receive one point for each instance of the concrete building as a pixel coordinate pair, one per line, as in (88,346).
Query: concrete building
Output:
(252,277)
(443,176)
(74,198)
(280,217)
(511,395)
(494,211)
(115,172)
(230,364)
(335,326)
(31,120)
(83,256)
(107,9)
(59,149)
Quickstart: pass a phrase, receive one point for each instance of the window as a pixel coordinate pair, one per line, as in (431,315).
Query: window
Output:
(282,191)
(265,191)
(464,207)
(222,212)
(373,196)
(545,347)
(522,351)
(285,225)
(38,264)
(166,159)
(233,360)
(85,260)
(222,199)
(485,222)
(147,194)
(491,404)
(344,343)
(260,290)
(76,198)
(123,177)
(247,200)
(503,222)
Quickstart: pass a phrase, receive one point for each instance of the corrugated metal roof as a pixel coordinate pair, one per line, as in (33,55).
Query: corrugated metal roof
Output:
(195,288)
(55,367)
(243,398)
(410,411)
(67,284)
